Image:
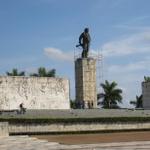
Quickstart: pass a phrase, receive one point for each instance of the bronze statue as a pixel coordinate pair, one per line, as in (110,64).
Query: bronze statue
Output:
(84,42)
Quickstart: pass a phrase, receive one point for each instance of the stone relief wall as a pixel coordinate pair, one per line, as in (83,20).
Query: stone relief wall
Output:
(34,92)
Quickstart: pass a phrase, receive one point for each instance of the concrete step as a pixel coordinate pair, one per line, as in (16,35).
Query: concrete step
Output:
(29,143)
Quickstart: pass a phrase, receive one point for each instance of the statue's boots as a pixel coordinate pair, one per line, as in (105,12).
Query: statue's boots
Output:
(84,54)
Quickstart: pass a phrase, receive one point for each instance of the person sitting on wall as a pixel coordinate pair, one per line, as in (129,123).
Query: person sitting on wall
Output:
(22,109)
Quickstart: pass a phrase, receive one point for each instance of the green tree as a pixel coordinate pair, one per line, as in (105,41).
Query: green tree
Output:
(42,72)
(111,95)
(146,79)
(138,103)
(73,104)
(15,73)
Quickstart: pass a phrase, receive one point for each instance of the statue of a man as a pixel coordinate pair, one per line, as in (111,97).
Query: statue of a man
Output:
(84,42)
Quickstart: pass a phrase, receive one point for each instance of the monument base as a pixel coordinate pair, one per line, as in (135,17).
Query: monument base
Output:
(85,76)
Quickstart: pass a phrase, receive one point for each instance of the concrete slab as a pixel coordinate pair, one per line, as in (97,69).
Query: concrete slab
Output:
(16,143)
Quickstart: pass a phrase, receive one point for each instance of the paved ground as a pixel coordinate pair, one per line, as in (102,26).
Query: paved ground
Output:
(71,139)
(76,113)
(30,143)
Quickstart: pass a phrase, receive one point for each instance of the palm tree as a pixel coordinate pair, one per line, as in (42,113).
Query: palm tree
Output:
(42,72)
(110,96)
(73,104)
(15,73)
(51,73)
(138,103)
(146,79)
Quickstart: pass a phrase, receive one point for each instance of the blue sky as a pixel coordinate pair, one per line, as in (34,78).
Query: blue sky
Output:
(36,33)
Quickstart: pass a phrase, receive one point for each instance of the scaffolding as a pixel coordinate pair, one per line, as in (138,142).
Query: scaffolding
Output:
(97,55)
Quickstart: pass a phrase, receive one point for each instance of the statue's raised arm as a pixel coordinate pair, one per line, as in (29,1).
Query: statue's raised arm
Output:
(84,42)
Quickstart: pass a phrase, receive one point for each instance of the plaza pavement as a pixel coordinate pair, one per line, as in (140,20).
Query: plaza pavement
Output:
(31,143)
(79,113)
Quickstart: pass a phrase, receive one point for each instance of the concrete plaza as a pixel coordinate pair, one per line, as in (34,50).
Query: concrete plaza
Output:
(31,143)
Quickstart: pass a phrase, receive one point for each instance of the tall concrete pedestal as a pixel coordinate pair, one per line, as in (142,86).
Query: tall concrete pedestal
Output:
(146,95)
(85,77)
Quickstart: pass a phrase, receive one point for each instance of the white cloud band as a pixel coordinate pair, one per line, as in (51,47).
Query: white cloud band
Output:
(136,43)
(57,54)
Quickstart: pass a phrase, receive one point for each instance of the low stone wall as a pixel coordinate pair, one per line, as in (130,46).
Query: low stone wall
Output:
(4,129)
(74,127)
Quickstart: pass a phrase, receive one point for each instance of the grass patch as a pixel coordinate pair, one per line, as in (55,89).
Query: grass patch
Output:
(76,120)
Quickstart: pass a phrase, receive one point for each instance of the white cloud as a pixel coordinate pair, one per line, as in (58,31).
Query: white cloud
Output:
(134,24)
(131,23)
(57,54)
(131,67)
(136,43)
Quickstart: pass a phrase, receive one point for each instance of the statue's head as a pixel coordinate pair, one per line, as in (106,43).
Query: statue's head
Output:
(86,30)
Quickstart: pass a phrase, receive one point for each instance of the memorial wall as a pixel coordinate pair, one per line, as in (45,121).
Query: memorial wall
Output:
(34,92)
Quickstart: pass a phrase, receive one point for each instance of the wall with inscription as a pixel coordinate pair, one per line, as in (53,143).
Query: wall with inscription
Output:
(34,92)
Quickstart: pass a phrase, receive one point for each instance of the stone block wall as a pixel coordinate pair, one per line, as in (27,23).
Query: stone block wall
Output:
(85,77)
(34,92)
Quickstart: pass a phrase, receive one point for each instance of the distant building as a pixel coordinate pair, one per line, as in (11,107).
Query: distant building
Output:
(34,92)
(146,94)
